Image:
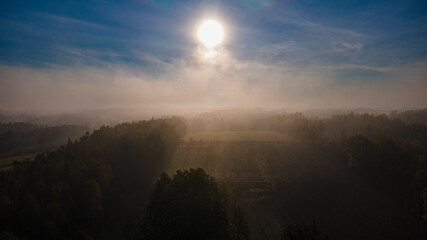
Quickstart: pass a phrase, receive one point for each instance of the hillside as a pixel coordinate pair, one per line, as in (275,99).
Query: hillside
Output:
(23,138)
(91,188)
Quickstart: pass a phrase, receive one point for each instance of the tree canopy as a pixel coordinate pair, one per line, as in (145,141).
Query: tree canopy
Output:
(92,187)
(191,205)
(303,231)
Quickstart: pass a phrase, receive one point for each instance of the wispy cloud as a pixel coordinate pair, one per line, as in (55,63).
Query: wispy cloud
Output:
(287,16)
(353,46)
(149,58)
(199,83)
(327,30)
(356,66)
(74,21)
(278,55)
(82,54)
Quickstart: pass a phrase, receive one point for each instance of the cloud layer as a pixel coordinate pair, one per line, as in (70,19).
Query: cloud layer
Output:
(206,80)
(57,57)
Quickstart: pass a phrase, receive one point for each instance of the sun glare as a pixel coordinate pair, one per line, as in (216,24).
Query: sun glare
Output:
(210,33)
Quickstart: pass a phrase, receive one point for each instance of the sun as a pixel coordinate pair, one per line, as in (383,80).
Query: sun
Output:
(210,33)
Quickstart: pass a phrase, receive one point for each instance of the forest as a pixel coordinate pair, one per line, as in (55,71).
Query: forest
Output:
(251,176)
(86,186)
(21,137)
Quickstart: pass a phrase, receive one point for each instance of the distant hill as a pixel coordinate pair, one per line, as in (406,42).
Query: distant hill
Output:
(91,119)
(233,114)
(419,116)
(23,138)
(242,116)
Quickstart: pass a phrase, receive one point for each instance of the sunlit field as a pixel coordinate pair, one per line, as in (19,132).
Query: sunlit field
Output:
(236,136)
(8,161)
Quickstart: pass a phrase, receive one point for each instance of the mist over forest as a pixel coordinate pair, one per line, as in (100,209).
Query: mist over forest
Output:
(213,120)
(303,175)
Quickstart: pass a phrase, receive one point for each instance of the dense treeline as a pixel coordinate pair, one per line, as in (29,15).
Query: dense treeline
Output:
(373,127)
(90,188)
(386,152)
(298,125)
(18,138)
(414,116)
(400,171)
(303,231)
(191,205)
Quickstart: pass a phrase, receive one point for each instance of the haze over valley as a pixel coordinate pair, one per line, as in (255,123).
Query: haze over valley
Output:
(256,119)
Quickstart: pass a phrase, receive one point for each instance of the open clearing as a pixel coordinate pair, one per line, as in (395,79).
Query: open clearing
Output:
(237,136)
(279,181)
(6,162)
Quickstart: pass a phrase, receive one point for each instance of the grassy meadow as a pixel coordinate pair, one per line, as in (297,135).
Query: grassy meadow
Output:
(8,161)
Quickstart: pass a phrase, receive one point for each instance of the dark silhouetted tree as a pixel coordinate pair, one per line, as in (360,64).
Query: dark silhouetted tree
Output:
(239,227)
(191,205)
(303,232)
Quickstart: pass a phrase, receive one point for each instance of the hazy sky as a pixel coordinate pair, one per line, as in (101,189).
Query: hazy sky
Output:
(81,55)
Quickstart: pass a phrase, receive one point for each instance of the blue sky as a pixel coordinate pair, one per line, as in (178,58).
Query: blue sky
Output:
(313,52)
